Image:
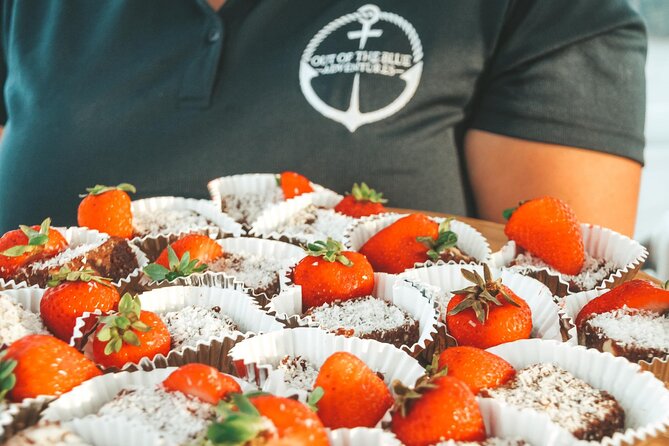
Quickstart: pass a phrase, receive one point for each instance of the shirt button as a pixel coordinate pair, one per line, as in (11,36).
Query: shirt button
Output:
(213,35)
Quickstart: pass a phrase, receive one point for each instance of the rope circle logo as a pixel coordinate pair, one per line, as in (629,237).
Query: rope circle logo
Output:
(408,67)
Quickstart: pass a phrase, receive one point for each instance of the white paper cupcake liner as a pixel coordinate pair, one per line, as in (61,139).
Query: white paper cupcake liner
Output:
(80,238)
(236,304)
(268,222)
(470,240)
(221,224)
(263,183)
(21,415)
(362,436)
(547,317)
(287,308)
(272,249)
(626,254)
(574,303)
(643,397)
(255,358)
(76,408)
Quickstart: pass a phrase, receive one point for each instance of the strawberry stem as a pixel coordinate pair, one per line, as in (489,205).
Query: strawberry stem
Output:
(7,377)
(363,192)
(239,422)
(101,189)
(446,240)
(117,328)
(36,239)
(178,267)
(331,250)
(83,275)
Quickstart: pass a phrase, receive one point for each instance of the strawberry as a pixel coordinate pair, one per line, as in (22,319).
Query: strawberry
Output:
(46,366)
(81,292)
(201,381)
(636,294)
(354,396)
(438,408)
(547,228)
(487,313)
(328,274)
(27,244)
(475,367)
(266,420)
(107,209)
(293,184)
(129,335)
(190,254)
(412,239)
(361,202)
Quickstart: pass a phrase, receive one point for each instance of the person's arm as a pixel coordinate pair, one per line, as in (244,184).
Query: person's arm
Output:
(602,188)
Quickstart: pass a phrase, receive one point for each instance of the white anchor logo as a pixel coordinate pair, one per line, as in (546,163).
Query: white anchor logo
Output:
(367,16)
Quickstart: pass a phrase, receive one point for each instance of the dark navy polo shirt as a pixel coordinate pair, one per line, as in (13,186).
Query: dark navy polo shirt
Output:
(169,94)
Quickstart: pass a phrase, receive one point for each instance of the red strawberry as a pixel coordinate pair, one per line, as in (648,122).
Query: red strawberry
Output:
(410,240)
(294,184)
(201,381)
(328,273)
(547,228)
(47,366)
(636,294)
(361,202)
(81,292)
(27,244)
(438,408)
(129,335)
(354,396)
(190,254)
(487,313)
(107,209)
(475,367)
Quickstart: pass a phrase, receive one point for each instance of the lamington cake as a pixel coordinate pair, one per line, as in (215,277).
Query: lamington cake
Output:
(173,416)
(112,257)
(494,441)
(17,322)
(260,273)
(195,324)
(168,221)
(594,271)
(367,318)
(314,223)
(299,372)
(245,208)
(46,433)
(588,413)
(637,335)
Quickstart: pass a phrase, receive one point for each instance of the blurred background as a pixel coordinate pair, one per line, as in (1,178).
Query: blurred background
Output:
(652,226)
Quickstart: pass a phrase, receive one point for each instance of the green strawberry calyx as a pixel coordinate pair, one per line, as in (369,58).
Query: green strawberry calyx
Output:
(331,251)
(119,328)
(314,397)
(65,274)
(36,239)
(99,189)
(446,241)
(238,422)
(362,192)
(479,296)
(405,396)
(178,267)
(7,377)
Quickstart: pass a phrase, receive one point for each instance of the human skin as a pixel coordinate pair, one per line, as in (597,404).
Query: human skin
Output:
(602,188)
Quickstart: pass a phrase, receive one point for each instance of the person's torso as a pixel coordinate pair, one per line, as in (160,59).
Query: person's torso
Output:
(169,95)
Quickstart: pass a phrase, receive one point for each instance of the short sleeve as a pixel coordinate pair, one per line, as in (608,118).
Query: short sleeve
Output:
(568,73)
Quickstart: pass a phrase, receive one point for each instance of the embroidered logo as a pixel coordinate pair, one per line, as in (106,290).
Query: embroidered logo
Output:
(363,61)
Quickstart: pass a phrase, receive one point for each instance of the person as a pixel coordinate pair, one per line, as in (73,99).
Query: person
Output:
(462,107)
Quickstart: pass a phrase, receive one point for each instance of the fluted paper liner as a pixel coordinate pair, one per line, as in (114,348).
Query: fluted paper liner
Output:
(362,436)
(470,240)
(265,226)
(21,415)
(261,183)
(152,244)
(237,245)
(287,308)
(76,237)
(601,243)
(574,304)
(236,304)
(256,358)
(546,315)
(76,408)
(643,397)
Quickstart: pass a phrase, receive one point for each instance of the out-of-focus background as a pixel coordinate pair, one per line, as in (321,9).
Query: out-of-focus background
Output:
(652,227)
